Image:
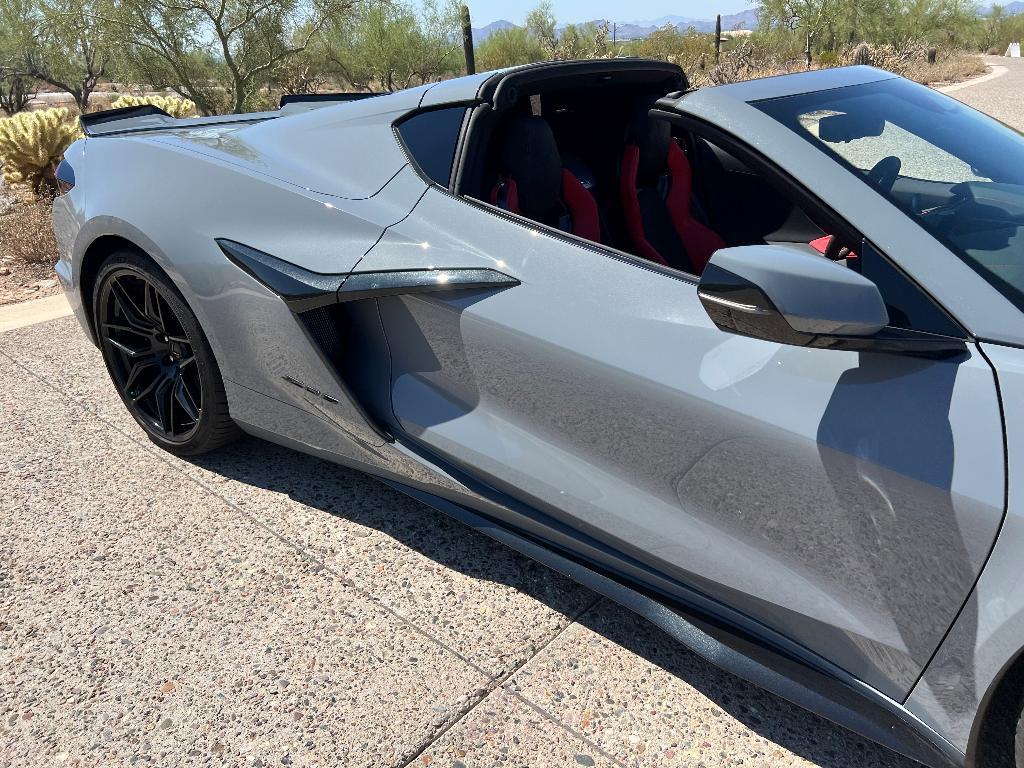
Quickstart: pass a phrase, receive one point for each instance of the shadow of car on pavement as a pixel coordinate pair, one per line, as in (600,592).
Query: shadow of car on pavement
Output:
(355,497)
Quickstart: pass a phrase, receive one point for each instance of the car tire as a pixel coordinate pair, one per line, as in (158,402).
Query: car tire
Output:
(158,357)
(1018,742)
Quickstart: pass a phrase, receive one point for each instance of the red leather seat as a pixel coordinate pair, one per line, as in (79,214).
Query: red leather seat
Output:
(655,185)
(533,182)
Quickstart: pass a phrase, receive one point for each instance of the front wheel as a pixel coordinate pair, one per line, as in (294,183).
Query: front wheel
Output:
(1018,741)
(158,357)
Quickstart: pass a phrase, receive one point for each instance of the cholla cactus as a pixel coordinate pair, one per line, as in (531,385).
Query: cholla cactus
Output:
(172,105)
(32,144)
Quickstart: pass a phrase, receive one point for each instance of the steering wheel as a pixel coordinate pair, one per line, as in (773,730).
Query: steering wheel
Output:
(885,172)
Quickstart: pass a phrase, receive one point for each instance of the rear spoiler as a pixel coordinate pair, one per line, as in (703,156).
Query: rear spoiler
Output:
(314,98)
(147,117)
(117,120)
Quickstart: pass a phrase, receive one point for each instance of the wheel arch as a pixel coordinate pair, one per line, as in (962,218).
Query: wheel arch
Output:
(98,239)
(93,256)
(992,735)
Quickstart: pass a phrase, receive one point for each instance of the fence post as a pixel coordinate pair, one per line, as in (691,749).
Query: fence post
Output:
(467,41)
(718,37)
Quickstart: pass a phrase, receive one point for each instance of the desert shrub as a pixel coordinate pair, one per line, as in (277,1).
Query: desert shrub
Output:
(174,106)
(892,57)
(508,47)
(911,60)
(749,58)
(32,144)
(26,233)
(827,59)
(949,67)
(690,50)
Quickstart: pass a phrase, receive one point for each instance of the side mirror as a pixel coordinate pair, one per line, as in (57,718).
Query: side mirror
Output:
(791,295)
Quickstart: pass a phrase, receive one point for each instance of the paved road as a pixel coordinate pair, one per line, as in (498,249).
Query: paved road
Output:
(999,96)
(258,607)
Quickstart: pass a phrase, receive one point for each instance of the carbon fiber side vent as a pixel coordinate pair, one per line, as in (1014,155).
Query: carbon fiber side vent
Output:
(324,325)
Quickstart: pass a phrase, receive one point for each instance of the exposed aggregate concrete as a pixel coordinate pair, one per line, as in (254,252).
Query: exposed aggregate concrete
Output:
(261,608)
(257,607)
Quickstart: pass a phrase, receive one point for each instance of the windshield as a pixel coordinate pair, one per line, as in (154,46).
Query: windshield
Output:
(956,172)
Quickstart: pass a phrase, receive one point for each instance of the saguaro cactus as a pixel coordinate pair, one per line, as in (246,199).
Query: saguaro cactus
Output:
(32,144)
(172,105)
(467,41)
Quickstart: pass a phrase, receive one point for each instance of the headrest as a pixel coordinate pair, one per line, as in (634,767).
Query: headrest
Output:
(652,137)
(529,156)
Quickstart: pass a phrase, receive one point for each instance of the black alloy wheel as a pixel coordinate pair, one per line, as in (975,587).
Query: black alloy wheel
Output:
(158,358)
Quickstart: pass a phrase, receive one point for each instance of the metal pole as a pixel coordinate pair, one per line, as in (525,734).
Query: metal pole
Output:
(718,37)
(467,41)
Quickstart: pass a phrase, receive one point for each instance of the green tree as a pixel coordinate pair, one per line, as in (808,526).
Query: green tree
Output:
(808,18)
(540,24)
(63,43)
(218,53)
(508,47)
(668,43)
(385,45)
(540,40)
(16,86)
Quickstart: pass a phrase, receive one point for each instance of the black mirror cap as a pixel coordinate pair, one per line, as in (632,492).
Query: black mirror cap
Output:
(736,305)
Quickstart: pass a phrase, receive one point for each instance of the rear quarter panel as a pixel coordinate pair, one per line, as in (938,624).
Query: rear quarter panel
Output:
(173,203)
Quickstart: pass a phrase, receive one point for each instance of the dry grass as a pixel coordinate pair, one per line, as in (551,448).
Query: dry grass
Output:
(748,60)
(26,234)
(952,68)
(911,61)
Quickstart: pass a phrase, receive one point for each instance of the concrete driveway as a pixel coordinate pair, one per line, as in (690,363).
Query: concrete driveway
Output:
(261,608)
(998,93)
(258,607)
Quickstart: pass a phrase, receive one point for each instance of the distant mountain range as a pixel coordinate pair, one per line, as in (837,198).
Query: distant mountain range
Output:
(1012,9)
(634,30)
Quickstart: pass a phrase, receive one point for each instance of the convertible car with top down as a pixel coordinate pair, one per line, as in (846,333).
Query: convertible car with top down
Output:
(747,359)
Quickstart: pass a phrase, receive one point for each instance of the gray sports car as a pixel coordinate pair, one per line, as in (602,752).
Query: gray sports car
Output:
(747,359)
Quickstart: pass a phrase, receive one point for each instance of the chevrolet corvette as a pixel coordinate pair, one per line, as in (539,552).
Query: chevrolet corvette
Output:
(746,359)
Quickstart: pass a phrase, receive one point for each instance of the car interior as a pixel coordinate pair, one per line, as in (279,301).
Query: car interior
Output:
(597,166)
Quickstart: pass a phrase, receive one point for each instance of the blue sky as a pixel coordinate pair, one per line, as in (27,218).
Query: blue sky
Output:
(486,11)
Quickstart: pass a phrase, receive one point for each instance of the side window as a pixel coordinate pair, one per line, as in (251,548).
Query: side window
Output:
(430,139)
(908,306)
(728,180)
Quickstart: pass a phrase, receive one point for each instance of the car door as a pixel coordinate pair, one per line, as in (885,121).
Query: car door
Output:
(846,500)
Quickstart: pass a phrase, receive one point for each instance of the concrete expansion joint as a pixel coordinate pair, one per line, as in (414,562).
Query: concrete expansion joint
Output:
(500,682)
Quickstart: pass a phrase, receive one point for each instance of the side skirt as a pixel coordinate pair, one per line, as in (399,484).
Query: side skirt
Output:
(861,709)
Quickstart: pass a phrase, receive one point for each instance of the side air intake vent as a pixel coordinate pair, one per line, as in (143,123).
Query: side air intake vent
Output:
(324,325)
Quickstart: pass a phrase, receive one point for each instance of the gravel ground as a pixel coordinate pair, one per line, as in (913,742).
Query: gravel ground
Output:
(260,608)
